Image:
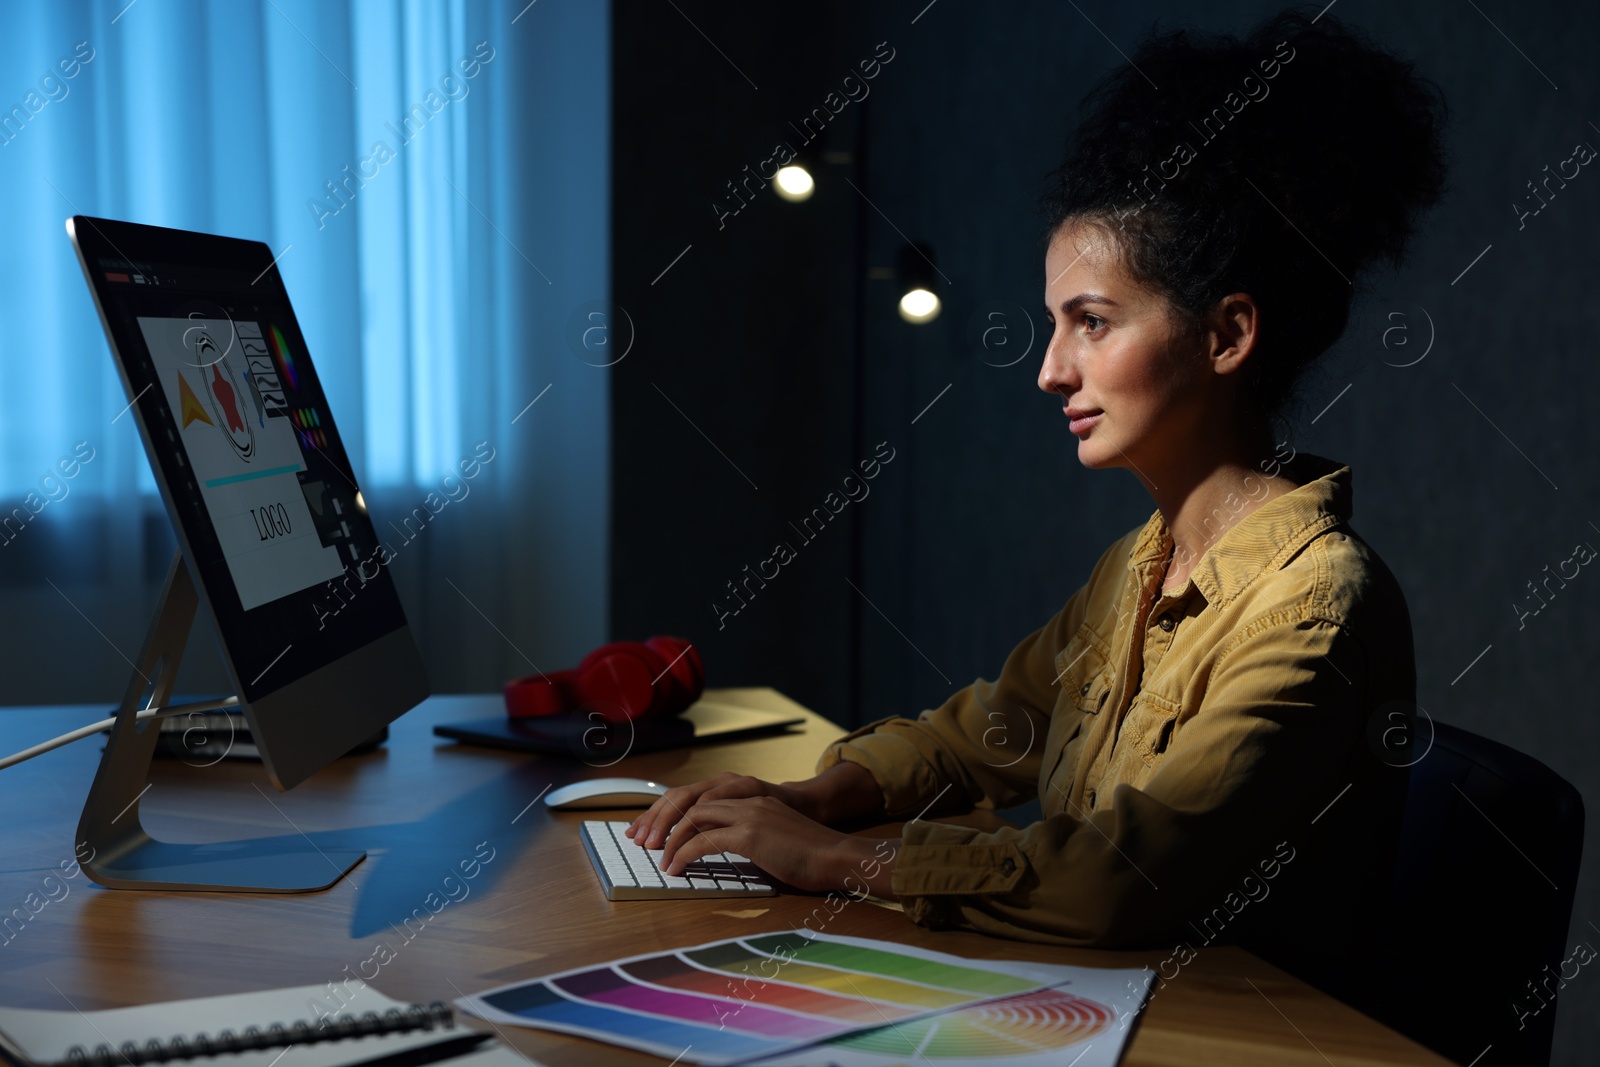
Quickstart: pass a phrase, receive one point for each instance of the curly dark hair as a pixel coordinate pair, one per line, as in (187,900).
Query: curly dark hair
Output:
(1288,184)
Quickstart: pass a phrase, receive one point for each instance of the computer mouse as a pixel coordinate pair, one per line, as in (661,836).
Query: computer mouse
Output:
(605,793)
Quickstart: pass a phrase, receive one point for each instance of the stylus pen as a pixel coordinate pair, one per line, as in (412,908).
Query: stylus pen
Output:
(449,1048)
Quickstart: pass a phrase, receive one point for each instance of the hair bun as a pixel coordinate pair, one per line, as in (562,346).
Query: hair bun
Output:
(1264,165)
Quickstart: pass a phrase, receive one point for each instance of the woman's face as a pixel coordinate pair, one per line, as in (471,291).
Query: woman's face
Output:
(1116,357)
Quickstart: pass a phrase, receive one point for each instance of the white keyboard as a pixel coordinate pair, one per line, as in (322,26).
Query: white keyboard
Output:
(630,872)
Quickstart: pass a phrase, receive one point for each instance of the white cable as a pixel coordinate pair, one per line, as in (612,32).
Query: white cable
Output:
(93,728)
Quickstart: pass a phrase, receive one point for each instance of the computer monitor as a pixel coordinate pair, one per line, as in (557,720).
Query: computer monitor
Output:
(272,529)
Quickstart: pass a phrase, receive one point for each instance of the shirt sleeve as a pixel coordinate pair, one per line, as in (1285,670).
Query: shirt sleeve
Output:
(986,742)
(1267,750)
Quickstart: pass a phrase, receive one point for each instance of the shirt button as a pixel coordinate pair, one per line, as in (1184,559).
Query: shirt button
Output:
(1165,622)
(1089,798)
(1085,690)
(1007,866)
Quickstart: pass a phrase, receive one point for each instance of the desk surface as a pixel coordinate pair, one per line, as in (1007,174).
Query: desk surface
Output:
(420,806)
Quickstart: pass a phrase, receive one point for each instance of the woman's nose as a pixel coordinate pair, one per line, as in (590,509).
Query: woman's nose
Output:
(1057,371)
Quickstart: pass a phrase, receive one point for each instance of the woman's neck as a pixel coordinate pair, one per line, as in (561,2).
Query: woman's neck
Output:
(1202,499)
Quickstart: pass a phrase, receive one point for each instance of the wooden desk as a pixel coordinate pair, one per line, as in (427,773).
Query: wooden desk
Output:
(423,804)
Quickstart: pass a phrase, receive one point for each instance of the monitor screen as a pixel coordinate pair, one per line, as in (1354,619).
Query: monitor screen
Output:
(250,451)
(245,449)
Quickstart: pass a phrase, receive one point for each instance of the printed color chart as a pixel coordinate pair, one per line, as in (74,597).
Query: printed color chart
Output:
(1083,1022)
(768,996)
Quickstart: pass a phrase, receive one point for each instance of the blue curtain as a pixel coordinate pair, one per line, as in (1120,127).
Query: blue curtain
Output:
(434,177)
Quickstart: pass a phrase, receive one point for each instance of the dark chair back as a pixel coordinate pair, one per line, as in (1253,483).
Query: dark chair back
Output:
(1473,948)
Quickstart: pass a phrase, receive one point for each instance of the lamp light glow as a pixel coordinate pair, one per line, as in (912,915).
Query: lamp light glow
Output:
(919,306)
(794,183)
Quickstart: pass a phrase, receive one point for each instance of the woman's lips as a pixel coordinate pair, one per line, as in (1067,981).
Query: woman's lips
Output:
(1084,422)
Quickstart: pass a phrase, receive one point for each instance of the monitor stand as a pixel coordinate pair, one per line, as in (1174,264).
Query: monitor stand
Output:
(121,854)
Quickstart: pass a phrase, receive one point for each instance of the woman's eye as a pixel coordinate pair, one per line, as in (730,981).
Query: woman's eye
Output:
(1093,322)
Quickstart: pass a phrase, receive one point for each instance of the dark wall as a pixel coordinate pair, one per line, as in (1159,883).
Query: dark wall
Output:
(735,409)
(1474,468)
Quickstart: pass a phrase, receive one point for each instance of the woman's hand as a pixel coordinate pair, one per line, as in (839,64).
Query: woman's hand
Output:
(783,842)
(843,791)
(651,828)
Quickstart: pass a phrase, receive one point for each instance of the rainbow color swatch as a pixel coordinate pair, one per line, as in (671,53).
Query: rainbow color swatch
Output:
(280,350)
(767,996)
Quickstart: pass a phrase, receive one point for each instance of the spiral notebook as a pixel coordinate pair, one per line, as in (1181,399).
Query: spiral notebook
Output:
(271,1028)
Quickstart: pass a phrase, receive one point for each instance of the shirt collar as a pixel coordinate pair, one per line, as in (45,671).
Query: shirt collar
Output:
(1264,539)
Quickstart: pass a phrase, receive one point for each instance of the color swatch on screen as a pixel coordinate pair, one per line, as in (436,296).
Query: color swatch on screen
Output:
(280,351)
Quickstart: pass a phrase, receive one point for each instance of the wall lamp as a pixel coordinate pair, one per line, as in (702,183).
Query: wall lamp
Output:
(794,182)
(919,297)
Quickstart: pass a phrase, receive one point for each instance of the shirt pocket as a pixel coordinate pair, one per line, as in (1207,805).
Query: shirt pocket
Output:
(1148,728)
(1084,667)
(1084,670)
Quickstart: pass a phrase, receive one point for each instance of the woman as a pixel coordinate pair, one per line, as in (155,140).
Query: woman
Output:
(1214,724)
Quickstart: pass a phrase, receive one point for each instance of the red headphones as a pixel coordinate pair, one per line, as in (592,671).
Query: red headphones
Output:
(625,680)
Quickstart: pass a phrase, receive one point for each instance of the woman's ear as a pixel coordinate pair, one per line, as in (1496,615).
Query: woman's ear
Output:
(1233,332)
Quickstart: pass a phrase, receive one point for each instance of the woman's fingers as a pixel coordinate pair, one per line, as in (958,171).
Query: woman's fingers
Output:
(651,828)
(698,845)
(785,843)
(640,827)
(692,824)
(664,814)
(711,826)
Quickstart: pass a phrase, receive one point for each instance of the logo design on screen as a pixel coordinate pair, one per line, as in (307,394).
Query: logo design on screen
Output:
(225,393)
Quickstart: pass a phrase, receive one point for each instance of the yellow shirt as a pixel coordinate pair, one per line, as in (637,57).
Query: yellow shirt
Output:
(1226,762)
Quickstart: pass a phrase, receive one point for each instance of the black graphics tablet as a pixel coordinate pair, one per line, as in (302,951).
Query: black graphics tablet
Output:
(589,737)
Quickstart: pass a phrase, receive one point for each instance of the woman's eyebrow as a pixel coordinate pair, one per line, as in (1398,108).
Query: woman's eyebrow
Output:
(1069,306)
